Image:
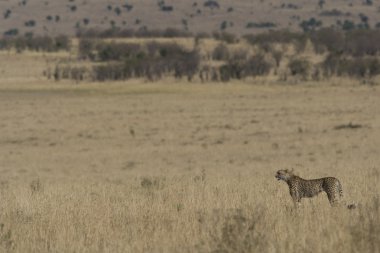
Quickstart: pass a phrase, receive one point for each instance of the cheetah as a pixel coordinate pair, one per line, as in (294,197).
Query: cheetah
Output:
(301,188)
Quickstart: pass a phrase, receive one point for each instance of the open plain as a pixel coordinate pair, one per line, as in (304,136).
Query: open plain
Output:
(185,167)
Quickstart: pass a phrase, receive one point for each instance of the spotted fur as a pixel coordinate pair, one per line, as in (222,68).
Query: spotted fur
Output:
(301,188)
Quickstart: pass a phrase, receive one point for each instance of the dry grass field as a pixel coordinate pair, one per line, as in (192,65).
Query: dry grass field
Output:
(174,166)
(171,167)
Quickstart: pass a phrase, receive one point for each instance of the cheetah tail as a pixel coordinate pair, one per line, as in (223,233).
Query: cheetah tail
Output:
(349,206)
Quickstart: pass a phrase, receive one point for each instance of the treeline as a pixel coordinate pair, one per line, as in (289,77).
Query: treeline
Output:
(155,60)
(117,32)
(353,53)
(357,43)
(36,43)
(345,54)
(121,61)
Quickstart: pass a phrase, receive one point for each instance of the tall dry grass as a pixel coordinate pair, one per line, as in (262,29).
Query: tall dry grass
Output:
(198,213)
(133,167)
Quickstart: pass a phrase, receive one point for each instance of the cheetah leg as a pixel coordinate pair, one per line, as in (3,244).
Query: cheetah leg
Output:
(332,199)
(296,199)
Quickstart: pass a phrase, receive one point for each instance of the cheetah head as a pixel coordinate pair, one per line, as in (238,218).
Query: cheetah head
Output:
(284,175)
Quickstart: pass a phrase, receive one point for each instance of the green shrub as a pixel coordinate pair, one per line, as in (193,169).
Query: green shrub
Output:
(310,25)
(11,32)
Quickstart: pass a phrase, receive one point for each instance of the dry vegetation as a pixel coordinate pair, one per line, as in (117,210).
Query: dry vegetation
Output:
(167,167)
(276,56)
(175,166)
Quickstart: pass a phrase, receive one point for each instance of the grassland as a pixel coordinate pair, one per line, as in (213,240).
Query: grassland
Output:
(177,166)
(171,167)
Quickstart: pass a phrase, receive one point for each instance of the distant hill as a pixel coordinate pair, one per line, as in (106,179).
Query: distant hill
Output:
(55,17)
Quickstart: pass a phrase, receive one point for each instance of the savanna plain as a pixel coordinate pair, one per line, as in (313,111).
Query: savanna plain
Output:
(185,167)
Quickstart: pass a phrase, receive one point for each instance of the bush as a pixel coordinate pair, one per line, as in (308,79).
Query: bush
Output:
(151,61)
(11,32)
(111,71)
(5,44)
(310,25)
(7,13)
(299,67)
(67,72)
(239,55)
(62,42)
(128,7)
(226,37)
(281,36)
(117,51)
(221,53)
(348,25)
(352,67)
(362,42)
(223,25)
(212,4)
(232,70)
(117,11)
(167,8)
(290,6)
(38,43)
(328,39)
(152,69)
(362,67)
(174,32)
(331,65)
(261,25)
(240,69)
(358,42)
(257,66)
(187,64)
(116,32)
(86,48)
(333,13)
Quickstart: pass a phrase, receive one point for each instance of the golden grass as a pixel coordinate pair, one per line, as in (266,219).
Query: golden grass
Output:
(173,214)
(165,167)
